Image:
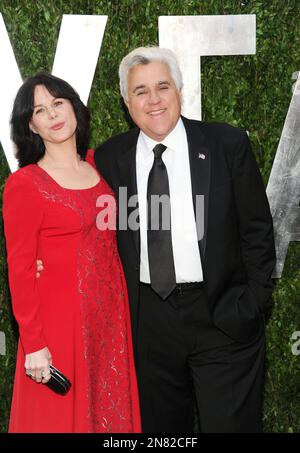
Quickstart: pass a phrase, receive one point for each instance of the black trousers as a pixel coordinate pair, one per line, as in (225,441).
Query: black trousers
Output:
(182,356)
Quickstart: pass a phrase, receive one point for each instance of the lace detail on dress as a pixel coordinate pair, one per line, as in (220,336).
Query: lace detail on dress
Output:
(102,299)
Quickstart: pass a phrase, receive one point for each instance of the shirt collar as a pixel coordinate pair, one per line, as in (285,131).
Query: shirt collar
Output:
(173,141)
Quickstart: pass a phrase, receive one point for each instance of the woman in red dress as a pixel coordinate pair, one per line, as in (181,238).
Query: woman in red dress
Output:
(76,315)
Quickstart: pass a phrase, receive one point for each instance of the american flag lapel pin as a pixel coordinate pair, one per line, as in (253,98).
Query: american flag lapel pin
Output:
(201,156)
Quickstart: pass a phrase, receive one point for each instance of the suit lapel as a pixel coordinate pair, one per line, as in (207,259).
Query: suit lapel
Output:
(127,170)
(200,164)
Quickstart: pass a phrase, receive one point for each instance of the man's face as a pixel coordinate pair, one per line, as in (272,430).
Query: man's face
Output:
(154,102)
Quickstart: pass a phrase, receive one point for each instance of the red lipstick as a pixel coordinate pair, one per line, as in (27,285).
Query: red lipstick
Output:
(57,126)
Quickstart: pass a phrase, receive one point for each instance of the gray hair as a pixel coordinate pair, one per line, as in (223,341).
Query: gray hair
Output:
(145,55)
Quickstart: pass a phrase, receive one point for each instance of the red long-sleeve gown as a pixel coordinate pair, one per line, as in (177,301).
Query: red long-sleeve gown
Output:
(78,308)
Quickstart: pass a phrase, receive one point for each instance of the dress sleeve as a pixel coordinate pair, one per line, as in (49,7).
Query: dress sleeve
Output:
(23,216)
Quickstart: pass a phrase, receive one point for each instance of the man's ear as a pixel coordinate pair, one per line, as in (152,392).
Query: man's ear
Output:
(181,98)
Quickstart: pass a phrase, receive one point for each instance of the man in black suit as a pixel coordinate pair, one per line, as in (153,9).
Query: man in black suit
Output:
(197,291)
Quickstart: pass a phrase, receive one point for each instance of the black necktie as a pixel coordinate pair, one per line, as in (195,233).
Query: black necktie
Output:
(160,251)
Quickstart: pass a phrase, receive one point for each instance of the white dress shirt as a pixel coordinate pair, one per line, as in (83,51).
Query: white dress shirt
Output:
(186,254)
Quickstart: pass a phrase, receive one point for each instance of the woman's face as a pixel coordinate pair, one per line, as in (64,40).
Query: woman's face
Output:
(53,119)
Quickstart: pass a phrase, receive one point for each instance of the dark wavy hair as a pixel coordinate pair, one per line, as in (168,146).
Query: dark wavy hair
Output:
(30,146)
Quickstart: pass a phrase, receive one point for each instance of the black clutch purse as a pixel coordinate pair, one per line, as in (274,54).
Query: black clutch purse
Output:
(58,382)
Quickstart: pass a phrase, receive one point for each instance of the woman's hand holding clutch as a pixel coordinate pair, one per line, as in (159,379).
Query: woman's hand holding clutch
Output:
(37,365)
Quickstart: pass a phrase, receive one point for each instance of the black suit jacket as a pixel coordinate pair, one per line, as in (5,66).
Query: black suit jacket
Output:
(237,248)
